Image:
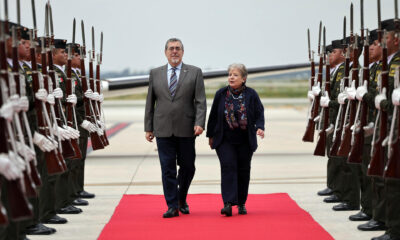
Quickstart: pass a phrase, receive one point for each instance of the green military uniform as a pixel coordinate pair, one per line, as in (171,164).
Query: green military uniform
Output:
(78,169)
(47,200)
(62,183)
(392,187)
(334,163)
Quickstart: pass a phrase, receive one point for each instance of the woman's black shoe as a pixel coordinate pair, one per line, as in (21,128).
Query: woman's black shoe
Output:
(242,209)
(227,210)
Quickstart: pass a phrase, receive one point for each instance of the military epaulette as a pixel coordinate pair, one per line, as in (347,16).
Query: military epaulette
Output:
(393,66)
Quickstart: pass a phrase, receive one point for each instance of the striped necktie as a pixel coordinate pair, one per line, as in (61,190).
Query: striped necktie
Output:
(173,82)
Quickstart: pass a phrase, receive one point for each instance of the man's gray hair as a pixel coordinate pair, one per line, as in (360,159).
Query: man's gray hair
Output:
(173,40)
(239,66)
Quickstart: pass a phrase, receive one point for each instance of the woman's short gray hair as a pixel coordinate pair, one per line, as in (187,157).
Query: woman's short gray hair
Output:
(239,66)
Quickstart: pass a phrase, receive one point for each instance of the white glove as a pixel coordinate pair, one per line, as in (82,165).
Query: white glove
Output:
(72,99)
(101,125)
(8,169)
(351,91)
(95,96)
(74,133)
(15,103)
(369,129)
(41,95)
(101,98)
(7,111)
(59,132)
(24,150)
(24,103)
(330,129)
(50,99)
(310,96)
(361,91)
(379,98)
(89,94)
(316,90)
(396,97)
(42,142)
(342,97)
(90,127)
(100,132)
(324,102)
(58,93)
(18,162)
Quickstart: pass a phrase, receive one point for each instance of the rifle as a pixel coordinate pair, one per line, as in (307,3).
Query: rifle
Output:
(309,133)
(392,169)
(99,87)
(70,108)
(345,144)
(340,119)
(67,147)
(93,87)
(320,148)
(97,142)
(377,164)
(357,142)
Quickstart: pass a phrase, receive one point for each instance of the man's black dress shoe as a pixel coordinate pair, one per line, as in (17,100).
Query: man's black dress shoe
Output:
(184,208)
(85,194)
(383,237)
(325,192)
(360,216)
(332,199)
(80,202)
(372,225)
(56,220)
(345,207)
(39,229)
(242,209)
(172,212)
(227,209)
(69,210)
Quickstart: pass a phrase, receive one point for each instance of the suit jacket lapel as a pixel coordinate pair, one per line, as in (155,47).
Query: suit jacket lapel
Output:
(182,75)
(164,81)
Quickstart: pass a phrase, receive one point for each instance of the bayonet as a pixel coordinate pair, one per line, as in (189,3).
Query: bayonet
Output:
(396,11)
(101,47)
(83,47)
(73,32)
(6,10)
(309,45)
(324,42)
(18,12)
(379,15)
(362,19)
(46,21)
(51,21)
(34,19)
(351,20)
(319,38)
(93,47)
(344,32)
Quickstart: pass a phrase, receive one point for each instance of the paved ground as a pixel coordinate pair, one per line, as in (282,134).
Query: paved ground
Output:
(283,163)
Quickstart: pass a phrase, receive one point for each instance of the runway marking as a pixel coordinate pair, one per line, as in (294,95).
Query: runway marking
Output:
(110,133)
(292,180)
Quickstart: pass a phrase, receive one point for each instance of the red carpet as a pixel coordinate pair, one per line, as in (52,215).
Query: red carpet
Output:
(270,216)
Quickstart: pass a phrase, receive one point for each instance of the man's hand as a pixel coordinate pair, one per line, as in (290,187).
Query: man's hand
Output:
(260,133)
(210,142)
(198,130)
(149,136)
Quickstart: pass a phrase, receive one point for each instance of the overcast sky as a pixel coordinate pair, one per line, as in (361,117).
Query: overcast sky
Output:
(215,33)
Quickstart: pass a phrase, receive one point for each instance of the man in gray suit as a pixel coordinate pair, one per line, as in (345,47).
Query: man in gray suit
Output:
(175,115)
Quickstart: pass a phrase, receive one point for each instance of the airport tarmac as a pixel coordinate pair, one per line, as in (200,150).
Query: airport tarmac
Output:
(282,163)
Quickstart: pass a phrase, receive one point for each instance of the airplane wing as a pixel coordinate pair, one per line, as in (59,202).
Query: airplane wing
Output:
(123,83)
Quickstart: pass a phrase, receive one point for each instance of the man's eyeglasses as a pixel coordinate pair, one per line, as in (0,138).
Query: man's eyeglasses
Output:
(176,48)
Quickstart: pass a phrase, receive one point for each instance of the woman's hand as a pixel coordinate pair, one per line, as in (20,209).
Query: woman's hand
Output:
(260,133)
(210,142)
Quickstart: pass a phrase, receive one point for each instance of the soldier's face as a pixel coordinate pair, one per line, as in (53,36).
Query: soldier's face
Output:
(174,53)
(60,57)
(23,49)
(375,52)
(392,43)
(235,78)
(336,56)
(76,60)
